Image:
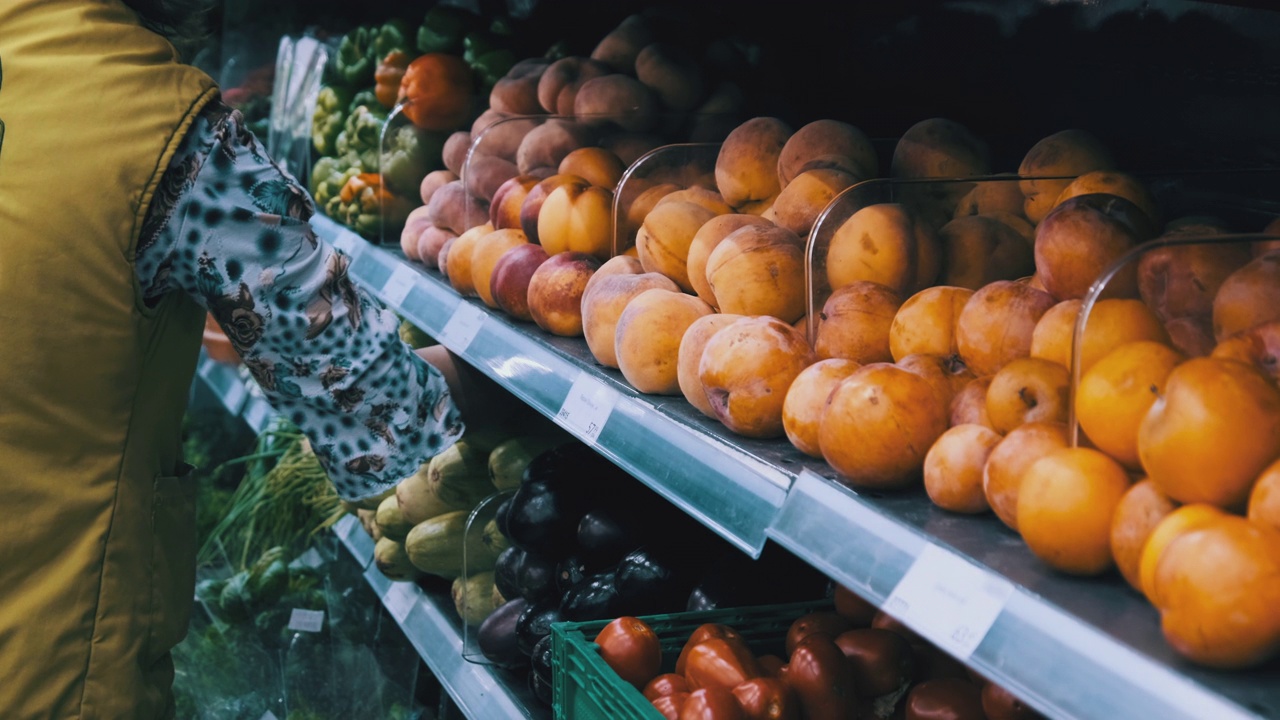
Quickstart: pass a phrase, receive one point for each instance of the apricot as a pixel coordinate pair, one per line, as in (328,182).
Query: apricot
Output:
(1065,505)
(603,301)
(880,243)
(1211,432)
(1082,238)
(1136,517)
(827,144)
(879,424)
(1249,296)
(1008,462)
(648,334)
(1068,153)
(1027,390)
(747,166)
(689,357)
(664,239)
(947,374)
(459,268)
(1116,393)
(938,148)
(1264,500)
(969,404)
(1172,526)
(1114,183)
(807,400)
(980,250)
(759,270)
(953,468)
(855,321)
(746,369)
(805,197)
(926,322)
(1220,587)
(484,256)
(1112,323)
(1258,346)
(1053,336)
(997,323)
(704,241)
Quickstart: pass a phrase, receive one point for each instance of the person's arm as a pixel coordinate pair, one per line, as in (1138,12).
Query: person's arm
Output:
(230,228)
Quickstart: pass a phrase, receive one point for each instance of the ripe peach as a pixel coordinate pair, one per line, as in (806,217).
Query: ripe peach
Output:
(827,144)
(504,210)
(577,217)
(926,322)
(689,357)
(698,195)
(1249,296)
(509,283)
(953,468)
(430,242)
(705,241)
(855,322)
(531,207)
(996,324)
(746,369)
(879,423)
(1136,517)
(1114,183)
(664,238)
(618,265)
(1008,462)
(807,400)
(1117,392)
(1264,500)
(1082,238)
(603,301)
(648,334)
(969,405)
(993,197)
(805,197)
(1258,346)
(1027,390)
(980,250)
(555,292)
(938,148)
(747,167)
(1065,505)
(759,270)
(459,267)
(595,165)
(484,257)
(1067,153)
(1216,426)
(880,243)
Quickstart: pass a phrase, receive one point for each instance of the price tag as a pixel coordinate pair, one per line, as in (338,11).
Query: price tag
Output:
(399,600)
(399,284)
(587,407)
(302,620)
(463,326)
(948,600)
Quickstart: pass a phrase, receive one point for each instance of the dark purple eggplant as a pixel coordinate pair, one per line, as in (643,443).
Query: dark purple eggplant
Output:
(544,519)
(497,634)
(535,623)
(540,661)
(524,574)
(595,598)
(603,539)
(649,582)
(541,689)
(570,572)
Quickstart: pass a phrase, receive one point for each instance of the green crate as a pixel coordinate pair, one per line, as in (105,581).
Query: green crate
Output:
(587,689)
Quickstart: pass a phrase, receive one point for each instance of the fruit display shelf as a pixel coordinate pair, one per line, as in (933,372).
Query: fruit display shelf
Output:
(432,626)
(1071,647)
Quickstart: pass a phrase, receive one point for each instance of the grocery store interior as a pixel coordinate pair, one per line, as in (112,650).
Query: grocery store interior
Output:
(833,423)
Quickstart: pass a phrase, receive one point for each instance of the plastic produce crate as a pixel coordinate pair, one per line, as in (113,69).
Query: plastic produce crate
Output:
(587,689)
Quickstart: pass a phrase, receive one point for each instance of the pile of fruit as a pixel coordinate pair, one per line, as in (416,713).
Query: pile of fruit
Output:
(853,662)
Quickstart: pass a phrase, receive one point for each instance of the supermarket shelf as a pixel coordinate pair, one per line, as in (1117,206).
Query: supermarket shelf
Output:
(239,397)
(733,487)
(436,633)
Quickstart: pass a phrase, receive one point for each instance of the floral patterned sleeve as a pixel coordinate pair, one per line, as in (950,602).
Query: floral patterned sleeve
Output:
(229,227)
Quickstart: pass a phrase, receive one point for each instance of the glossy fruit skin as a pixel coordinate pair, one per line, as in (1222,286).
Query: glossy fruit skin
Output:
(720,663)
(665,684)
(827,623)
(631,648)
(881,659)
(711,703)
(702,633)
(822,679)
(767,698)
(945,699)
(669,705)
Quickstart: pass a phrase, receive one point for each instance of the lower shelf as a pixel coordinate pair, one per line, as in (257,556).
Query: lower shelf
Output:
(480,691)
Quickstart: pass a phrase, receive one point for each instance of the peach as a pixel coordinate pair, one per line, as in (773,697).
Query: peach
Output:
(555,292)
(531,208)
(616,100)
(547,145)
(996,325)
(417,221)
(1258,346)
(969,405)
(938,148)
(1082,238)
(484,257)
(1249,296)
(953,468)
(442,258)
(926,322)
(433,181)
(1215,427)
(452,206)
(1114,183)
(504,209)
(516,93)
(577,217)
(807,400)
(1052,163)
(459,267)
(1054,333)
(689,357)
(1065,505)
(746,369)
(1026,390)
(827,144)
(759,270)
(635,205)
(509,283)
(947,374)
(431,242)
(879,423)
(558,87)
(603,302)
(629,146)
(674,76)
(499,135)
(704,241)
(993,196)
(1262,247)
(980,250)
(880,243)
(806,196)
(747,166)
(1111,324)
(454,154)
(484,174)
(595,165)
(1141,509)
(706,197)
(1008,462)
(648,334)
(623,44)
(664,238)
(1117,392)
(618,265)
(855,323)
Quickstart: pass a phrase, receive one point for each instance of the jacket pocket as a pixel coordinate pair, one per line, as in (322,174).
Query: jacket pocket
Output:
(173,561)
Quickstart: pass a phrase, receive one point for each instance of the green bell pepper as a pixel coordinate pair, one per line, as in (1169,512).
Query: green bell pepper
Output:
(409,155)
(492,66)
(328,176)
(442,29)
(329,118)
(355,60)
(361,134)
(392,37)
(365,206)
(364,97)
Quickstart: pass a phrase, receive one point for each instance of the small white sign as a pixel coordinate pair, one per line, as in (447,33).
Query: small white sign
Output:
(587,407)
(948,600)
(462,327)
(400,599)
(399,284)
(303,620)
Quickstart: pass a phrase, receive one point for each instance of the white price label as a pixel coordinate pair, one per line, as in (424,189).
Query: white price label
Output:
(302,620)
(400,599)
(462,327)
(948,600)
(397,287)
(587,407)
